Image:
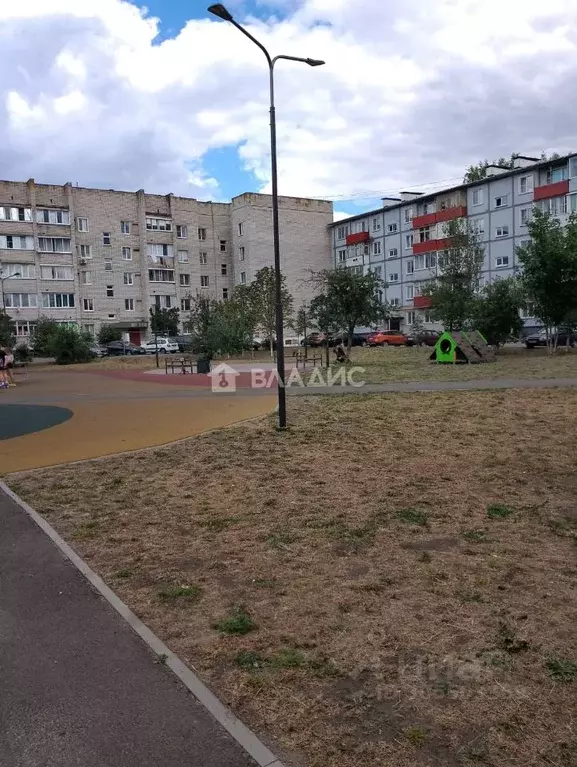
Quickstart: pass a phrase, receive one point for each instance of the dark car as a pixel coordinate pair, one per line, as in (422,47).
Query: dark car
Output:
(423,338)
(358,339)
(565,337)
(120,348)
(184,343)
(314,339)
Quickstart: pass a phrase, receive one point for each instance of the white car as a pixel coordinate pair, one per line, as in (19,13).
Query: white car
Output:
(165,346)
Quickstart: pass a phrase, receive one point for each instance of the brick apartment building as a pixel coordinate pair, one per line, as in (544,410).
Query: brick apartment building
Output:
(403,240)
(93,257)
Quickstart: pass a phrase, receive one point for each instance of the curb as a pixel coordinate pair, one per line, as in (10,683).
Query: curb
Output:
(223,715)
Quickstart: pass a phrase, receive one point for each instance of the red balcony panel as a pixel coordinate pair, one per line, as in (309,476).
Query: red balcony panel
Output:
(424,247)
(422,302)
(428,219)
(551,190)
(450,213)
(355,239)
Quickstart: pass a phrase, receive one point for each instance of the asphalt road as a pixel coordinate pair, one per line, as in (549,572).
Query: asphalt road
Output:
(78,688)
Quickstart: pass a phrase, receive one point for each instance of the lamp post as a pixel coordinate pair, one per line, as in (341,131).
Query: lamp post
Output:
(222,13)
(2,281)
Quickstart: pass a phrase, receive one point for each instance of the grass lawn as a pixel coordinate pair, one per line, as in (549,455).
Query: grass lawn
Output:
(387,364)
(391,582)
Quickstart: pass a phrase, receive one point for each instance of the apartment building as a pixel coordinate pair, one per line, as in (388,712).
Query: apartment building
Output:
(93,257)
(403,241)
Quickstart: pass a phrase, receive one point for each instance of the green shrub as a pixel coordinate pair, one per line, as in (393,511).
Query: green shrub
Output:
(69,345)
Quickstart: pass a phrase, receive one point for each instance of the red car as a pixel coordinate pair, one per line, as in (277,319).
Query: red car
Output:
(387,338)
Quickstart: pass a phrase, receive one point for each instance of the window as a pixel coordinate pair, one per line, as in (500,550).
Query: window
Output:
(202,234)
(502,231)
(184,280)
(427,317)
(86,278)
(392,228)
(106,238)
(342,232)
(554,206)
(54,245)
(478,226)
(477,197)
(181,231)
(378,270)
(107,264)
(377,248)
(395,301)
(425,234)
(225,294)
(185,304)
(109,291)
(46,216)
(125,227)
(129,304)
(341,256)
(394,277)
(15,214)
(159,224)
(408,241)
(82,224)
(411,318)
(376,224)
(525,184)
(426,261)
(157,251)
(573,167)
(56,273)
(202,257)
(85,251)
(243,278)
(501,261)
(524,215)
(204,280)
(128,278)
(557,174)
(22,271)
(524,243)
(223,246)
(501,202)
(127,254)
(241,254)
(410,267)
(88,329)
(58,300)
(223,270)
(182,256)
(409,292)
(357,269)
(161,275)
(163,302)
(88,304)
(393,252)
(20,300)
(240,229)
(111,316)
(408,215)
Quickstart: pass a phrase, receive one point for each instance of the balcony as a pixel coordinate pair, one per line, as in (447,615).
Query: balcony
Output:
(431,245)
(357,238)
(551,190)
(427,219)
(422,302)
(448,214)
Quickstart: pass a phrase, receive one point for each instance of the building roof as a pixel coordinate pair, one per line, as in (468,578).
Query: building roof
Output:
(467,185)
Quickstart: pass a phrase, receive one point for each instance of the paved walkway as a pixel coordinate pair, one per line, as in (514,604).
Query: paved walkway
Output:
(78,688)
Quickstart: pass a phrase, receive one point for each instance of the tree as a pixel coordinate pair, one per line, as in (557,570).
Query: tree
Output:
(6,338)
(350,299)
(44,334)
(69,345)
(302,323)
(164,322)
(453,293)
(479,171)
(550,270)
(224,327)
(322,313)
(109,333)
(496,312)
(261,295)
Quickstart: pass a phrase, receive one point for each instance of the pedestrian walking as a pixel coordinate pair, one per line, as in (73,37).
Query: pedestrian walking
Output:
(3,375)
(9,364)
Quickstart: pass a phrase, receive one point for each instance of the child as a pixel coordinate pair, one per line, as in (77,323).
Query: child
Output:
(3,377)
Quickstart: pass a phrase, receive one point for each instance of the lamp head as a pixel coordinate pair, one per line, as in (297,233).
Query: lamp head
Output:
(220,11)
(314,62)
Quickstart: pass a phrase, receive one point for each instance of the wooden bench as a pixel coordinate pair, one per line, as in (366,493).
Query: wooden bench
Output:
(182,365)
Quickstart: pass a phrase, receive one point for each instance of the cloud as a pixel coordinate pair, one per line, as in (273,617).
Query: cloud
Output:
(411,94)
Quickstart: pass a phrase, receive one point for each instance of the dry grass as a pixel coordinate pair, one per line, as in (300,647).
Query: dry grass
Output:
(391,582)
(412,364)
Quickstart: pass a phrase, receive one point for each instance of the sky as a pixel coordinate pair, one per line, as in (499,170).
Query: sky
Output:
(112,94)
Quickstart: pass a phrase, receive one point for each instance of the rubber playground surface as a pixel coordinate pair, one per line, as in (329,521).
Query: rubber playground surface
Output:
(57,415)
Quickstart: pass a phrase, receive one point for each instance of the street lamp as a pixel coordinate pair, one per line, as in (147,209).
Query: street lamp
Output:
(222,13)
(2,280)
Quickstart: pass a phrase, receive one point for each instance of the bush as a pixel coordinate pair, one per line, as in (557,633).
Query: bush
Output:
(22,354)
(109,333)
(69,345)
(44,335)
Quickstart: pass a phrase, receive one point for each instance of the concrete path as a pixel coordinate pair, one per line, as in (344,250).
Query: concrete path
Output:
(78,688)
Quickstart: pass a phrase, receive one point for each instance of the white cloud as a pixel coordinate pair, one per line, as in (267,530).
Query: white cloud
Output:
(412,92)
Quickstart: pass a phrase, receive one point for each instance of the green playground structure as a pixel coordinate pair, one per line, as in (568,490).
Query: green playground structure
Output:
(462,348)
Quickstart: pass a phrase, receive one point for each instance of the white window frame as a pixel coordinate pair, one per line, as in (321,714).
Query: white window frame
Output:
(159,224)
(225,294)
(409,292)
(504,262)
(17,242)
(108,265)
(411,316)
(54,275)
(504,201)
(478,226)
(161,274)
(524,219)
(409,215)
(241,253)
(54,240)
(392,228)
(184,280)
(110,291)
(409,242)
(129,304)
(68,296)
(377,248)
(24,271)
(395,301)
(224,270)
(127,253)
(341,256)
(125,227)
(410,267)
(243,278)
(203,258)
(106,239)
(87,304)
(185,304)
(51,216)
(202,233)
(376,224)
(479,193)
(393,253)
(181,232)
(82,224)
(240,228)
(393,277)
(128,278)
(86,277)
(529,183)
(501,231)
(85,251)
(182,256)
(10,303)
(204,281)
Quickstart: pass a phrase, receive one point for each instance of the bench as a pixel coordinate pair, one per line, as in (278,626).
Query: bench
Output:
(182,365)
(301,356)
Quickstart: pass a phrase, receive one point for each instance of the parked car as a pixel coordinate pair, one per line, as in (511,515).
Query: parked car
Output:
(314,339)
(98,351)
(342,338)
(387,338)
(258,343)
(564,335)
(423,338)
(163,344)
(184,343)
(119,348)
